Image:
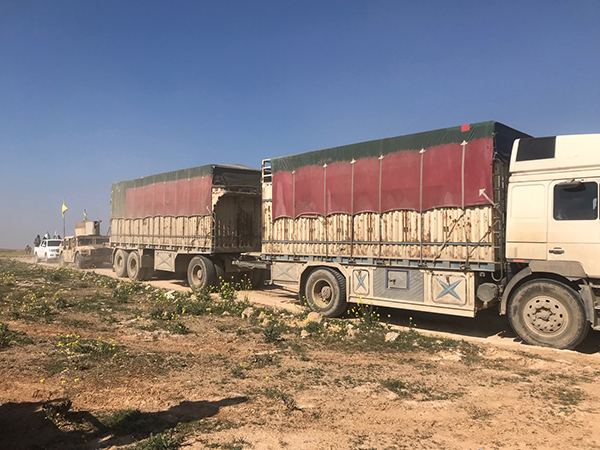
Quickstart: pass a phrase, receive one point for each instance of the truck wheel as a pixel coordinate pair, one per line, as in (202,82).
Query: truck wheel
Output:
(135,271)
(120,263)
(548,313)
(61,260)
(326,292)
(201,273)
(79,261)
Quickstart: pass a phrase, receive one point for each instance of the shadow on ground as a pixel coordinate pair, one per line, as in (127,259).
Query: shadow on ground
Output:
(486,324)
(51,424)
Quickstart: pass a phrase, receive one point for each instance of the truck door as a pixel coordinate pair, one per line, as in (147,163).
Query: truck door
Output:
(573,224)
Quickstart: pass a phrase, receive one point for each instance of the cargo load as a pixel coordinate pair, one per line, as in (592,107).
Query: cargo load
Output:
(432,198)
(196,220)
(213,209)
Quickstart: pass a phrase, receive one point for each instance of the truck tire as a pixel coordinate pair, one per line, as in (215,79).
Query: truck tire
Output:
(201,273)
(547,313)
(135,271)
(61,260)
(79,261)
(326,292)
(120,263)
(36,257)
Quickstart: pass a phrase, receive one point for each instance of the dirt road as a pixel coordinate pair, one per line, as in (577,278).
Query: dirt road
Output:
(487,327)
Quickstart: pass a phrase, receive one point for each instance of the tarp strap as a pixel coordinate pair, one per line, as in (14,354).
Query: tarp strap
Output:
(464,148)
(379,208)
(325,210)
(352,211)
(422,152)
(294,212)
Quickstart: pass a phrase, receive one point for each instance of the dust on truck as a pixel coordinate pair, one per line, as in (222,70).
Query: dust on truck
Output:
(195,221)
(437,222)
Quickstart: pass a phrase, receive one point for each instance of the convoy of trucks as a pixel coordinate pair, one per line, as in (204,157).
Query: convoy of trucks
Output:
(449,221)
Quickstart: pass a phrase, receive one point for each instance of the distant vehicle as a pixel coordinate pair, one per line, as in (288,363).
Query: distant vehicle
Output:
(48,250)
(84,251)
(86,248)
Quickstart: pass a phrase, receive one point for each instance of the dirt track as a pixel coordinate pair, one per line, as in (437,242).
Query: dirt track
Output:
(487,327)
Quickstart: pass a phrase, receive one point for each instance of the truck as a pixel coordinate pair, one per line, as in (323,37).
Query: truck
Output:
(196,223)
(87,248)
(47,250)
(449,221)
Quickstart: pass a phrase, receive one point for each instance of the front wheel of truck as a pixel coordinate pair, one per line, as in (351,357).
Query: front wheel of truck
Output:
(547,313)
(79,261)
(201,273)
(326,292)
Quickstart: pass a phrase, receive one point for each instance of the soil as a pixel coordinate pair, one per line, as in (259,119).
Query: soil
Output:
(224,385)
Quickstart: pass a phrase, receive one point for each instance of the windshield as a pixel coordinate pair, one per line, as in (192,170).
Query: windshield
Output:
(54,243)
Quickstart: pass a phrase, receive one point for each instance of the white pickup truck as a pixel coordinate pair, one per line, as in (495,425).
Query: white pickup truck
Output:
(48,250)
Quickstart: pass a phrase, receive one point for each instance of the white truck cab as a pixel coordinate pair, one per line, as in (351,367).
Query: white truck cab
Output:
(553,239)
(48,250)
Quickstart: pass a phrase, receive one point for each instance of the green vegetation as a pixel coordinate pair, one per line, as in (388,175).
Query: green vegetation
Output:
(8,337)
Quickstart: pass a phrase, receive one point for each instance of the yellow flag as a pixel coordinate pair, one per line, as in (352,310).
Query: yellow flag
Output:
(64,207)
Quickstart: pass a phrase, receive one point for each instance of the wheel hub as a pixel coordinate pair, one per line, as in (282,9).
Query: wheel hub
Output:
(326,293)
(546,315)
(198,273)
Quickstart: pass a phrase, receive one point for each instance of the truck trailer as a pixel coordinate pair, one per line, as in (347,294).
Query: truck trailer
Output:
(449,221)
(196,221)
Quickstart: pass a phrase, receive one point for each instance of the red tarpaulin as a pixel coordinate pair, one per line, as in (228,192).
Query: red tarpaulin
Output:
(283,195)
(402,186)
(339,187)
(309,191)
(400,181)
(184,197)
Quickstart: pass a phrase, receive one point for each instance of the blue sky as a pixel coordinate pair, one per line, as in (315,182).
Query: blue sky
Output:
(94,92)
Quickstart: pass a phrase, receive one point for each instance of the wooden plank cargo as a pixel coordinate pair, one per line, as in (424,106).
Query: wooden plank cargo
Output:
(391,221)
(205,216)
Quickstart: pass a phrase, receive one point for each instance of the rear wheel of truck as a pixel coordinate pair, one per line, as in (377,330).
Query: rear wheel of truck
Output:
(135,271)
(201,273)
(61,260)
(547,313)
(120,263)
(326,292)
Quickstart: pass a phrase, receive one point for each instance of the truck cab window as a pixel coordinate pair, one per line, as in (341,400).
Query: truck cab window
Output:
(576,201)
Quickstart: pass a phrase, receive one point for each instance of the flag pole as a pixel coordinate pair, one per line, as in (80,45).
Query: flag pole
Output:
(63,214)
